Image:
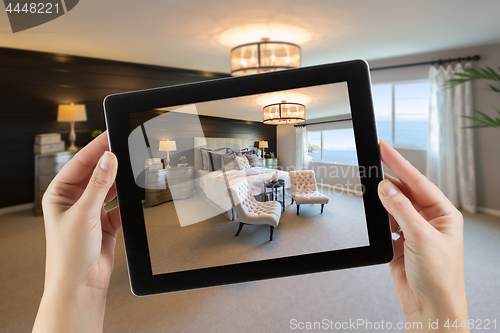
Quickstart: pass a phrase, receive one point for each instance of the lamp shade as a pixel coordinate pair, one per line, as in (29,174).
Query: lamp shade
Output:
(265,56)
(167,146)
(263,144)
(71,112)
(284,113)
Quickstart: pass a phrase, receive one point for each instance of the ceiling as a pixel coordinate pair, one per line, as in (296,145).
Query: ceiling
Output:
(199,34)
(322,101)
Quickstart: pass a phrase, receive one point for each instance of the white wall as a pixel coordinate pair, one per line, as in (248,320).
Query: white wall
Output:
(487,140)
(286,146)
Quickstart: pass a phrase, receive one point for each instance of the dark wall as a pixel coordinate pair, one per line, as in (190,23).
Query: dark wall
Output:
(213,127)
(183,128)
(33,84)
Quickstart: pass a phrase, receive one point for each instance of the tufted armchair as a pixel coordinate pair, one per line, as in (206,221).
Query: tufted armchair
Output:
(304,190)
(251,211)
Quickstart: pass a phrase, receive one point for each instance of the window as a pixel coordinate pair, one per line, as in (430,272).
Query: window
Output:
(382,104)
(332,146)
(402,112)
(314,146)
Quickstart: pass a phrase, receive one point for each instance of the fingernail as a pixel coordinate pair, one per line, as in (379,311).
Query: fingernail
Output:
(107,161)
(387,188)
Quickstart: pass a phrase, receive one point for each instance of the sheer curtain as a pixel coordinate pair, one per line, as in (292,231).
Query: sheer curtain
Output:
(301,147)
(450,155)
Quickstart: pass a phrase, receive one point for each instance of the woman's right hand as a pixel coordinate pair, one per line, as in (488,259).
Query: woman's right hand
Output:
(428,264)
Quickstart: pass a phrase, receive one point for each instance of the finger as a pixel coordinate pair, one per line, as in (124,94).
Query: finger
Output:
(107,253)
(111,193)
(394,223)
(410,221)
(397,266)
(111,222)
(98,187)
(398,246)
(84,162)
(403,189)
(422,190)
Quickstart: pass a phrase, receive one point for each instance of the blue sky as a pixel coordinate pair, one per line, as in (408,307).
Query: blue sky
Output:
(411,100)
(342,139)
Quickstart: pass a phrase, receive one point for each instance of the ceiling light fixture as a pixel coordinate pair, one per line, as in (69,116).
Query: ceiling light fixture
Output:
(264,56)
(284,113)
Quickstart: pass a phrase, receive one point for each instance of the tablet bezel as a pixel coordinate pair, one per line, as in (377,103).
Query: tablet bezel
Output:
(117,108)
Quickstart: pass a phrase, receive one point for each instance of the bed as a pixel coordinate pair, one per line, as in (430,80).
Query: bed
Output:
(213,185)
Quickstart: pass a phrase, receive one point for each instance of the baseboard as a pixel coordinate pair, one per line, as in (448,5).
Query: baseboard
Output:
(488,211)
(13,209)
(342,190)
(483,210)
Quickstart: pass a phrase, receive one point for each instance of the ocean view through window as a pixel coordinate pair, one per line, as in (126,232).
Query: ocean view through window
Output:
(332,146)
(402,112)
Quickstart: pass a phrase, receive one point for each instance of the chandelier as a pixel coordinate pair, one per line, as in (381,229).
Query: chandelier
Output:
(265,56)
(284,113)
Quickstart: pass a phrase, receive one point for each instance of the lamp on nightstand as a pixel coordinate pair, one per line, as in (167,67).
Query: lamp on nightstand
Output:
(167,146)
(72,113)
(263,145)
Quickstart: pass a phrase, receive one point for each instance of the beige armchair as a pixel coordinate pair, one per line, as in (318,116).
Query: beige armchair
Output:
(304,190)
(251,211)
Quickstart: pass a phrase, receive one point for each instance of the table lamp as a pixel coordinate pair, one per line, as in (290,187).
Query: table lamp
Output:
(71,113)
(263,145)
(167,146)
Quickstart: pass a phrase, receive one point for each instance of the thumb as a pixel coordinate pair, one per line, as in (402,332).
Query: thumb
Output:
(400,207)
(101,181)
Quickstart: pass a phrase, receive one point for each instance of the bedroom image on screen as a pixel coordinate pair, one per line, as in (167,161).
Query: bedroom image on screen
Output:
(248,178)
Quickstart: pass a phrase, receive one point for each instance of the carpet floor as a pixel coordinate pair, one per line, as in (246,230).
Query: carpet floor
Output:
(212,242)
(264,306)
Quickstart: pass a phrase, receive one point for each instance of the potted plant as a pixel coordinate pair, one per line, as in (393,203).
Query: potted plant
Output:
(183,161)
(95,133)
(471,74)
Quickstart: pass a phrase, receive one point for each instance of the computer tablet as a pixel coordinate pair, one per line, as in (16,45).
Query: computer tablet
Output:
(249,178)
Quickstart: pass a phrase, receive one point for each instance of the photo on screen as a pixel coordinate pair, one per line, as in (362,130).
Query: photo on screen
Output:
(246,179)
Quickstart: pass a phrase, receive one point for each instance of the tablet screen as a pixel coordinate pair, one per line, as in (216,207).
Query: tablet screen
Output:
(208,171)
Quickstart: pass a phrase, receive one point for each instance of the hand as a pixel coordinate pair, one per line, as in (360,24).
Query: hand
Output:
(81,238)
(427,267)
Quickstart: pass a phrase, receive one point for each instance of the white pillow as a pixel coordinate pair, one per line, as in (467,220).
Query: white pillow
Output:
(205,162)
(229,162)
(242,162)
(253,160)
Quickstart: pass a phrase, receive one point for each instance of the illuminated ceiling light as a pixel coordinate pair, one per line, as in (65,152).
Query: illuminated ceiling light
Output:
(284,113)
(249,33)
(265,56)
(272,97)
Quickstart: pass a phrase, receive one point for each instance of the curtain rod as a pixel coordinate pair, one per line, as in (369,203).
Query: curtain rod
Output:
(323,122)
(432,62)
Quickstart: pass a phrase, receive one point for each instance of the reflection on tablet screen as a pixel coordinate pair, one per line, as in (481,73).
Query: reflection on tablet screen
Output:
(211,170)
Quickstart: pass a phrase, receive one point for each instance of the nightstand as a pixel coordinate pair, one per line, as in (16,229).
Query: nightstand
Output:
(168,184)
(46,168)
(270,163)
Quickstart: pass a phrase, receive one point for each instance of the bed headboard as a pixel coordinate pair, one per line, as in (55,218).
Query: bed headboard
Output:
(215,143)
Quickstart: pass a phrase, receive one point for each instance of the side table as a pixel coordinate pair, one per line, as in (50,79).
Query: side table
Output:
(160,184)
(46,168)
(274,191)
